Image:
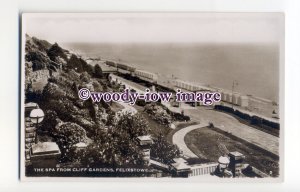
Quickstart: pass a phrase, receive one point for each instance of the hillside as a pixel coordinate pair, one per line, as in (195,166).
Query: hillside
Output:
(110,138)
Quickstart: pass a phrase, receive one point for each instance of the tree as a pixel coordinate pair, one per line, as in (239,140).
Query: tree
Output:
(75,63)
(98,71)
(164,151)
(117,146)
(52,91)
(56,51)
(112,149)
(50,121)
(79,65)
(66,136)
(134,125)
(38,59)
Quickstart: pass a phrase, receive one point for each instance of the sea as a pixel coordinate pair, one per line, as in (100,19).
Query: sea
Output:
(255,67)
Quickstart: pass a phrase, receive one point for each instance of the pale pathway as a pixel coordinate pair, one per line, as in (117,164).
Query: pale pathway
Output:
(178,139)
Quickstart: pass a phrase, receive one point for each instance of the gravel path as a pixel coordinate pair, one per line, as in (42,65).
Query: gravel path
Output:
(178,139)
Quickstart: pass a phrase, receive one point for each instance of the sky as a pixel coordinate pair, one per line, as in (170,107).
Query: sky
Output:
(156,27)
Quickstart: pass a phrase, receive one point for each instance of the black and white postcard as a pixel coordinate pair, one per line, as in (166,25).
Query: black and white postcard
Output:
(164,96)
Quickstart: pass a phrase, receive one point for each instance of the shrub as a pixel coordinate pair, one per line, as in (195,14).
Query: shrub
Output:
(50,121)
(52,91)
(98,71)
(38,59)
(56,51)
(164,151)
(79,64)
(133,125)
(66,136)
(112,149)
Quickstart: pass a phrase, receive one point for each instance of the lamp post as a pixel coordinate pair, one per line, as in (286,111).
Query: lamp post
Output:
(223,164)
(36,117)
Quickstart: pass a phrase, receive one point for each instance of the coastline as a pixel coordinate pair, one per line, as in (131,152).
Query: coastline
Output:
(257,105)
(208,64)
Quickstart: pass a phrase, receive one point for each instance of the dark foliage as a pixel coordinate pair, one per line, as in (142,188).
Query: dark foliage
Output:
(79,65)
(98,71)
(38,59)
(56,51)
(66,136)
(164,151)
(112,149)
(33,96)
(42,45)
(133,125)
(50,121)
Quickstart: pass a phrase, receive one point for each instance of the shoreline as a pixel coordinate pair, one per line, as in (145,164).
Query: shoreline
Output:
(173,77)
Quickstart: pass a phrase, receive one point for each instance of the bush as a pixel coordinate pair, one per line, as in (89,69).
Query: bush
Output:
(66,136)
(50,121)
(38,59)
(134,125)
(112,149)
(79,64)
(52,91)
(181,117)
(158,113)
(98,71)
(85,77)
(211,125)
(164,151)
(35,96)
(56,51)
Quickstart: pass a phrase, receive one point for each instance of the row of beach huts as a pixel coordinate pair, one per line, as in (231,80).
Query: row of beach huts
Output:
(227,96)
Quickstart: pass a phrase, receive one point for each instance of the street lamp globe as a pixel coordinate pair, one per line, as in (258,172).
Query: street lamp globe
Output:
(223,162)
(36,116)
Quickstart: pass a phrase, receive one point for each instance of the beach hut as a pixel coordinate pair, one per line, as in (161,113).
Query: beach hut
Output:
(235,98)
(223,96)
(228,97)
(243,101)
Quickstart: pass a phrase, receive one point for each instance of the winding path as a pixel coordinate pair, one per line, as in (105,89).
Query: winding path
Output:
(226,123)
(178,139)
(231,125)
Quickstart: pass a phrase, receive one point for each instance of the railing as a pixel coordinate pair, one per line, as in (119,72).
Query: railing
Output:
(203,169)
